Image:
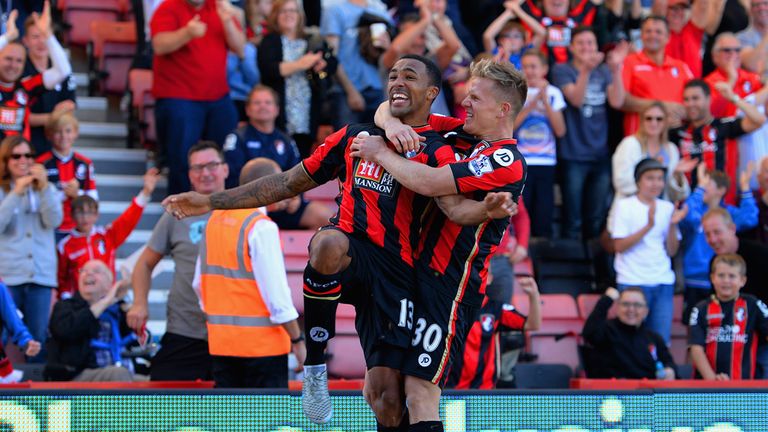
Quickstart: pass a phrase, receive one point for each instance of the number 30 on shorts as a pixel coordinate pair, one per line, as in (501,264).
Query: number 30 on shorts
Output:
(429,338)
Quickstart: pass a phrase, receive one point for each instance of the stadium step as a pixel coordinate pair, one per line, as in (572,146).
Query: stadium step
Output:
(116,160)
(123,187)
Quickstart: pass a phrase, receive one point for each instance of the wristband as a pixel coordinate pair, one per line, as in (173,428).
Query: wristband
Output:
(298,339)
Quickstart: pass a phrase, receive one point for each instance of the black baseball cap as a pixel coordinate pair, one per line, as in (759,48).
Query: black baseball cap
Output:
(648,164)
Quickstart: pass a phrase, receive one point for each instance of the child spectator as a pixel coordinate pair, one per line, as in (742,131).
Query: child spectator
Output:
(18,333)
(88,241)
(710,193)
(477,370)
(507,38)
(724,327)
(645,237)
(71,173)
(537,128)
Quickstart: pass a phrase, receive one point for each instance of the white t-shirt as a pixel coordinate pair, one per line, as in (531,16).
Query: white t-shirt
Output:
(647,262)
(535,138)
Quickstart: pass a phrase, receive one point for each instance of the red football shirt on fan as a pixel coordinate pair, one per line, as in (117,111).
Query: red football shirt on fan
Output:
(197,70)
(746,84)
(15,103)
(686,46)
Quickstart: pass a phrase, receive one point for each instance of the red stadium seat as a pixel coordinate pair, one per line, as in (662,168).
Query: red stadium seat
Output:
(142,107)
(295,243)
(558,338)
(111,50)
(296,284)
(79,14)
(347,359)
(325,193)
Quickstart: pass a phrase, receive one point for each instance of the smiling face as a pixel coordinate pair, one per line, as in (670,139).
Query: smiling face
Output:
(727,280)
(94,281)
(481,106)
(650,184)
(727,52)
(410,91)
(12,59)
(20,160)
(556,8)
(696,104)
(583,46)
(653,122)
(632,308)
(207,171)
(262,108)
(655,36)
(721,237)
(288,17)
(64,137)
(35,42)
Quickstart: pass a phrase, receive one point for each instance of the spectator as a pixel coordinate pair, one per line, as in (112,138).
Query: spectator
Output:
(17,332)
(412,40)
(560,19)
(651,75)
(184,348)
(260,138)
(650,141)
(190,39)
(17,92)
(537,128)
(72,173)
(29,213)
(645,235)
(587,83)
(256,12)
(359,80)
(87,241)
(56,101)
(725,16)
(687,25)
(507,38)
(760,233)
(728,63)
(621,347)
(298,73)
(754,40)
(724,328)
(247,355)
(720,231)
(477,369)
(697,255)
(704,138)
(88,330)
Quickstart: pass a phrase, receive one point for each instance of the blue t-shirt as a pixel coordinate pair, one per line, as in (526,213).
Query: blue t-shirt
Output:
(535,138)
(247,142)
(586,136)
(341,20)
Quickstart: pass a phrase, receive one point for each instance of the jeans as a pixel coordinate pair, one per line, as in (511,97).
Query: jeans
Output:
(181,123)
(586,187)
(344,114)
(660,299)
(34,301)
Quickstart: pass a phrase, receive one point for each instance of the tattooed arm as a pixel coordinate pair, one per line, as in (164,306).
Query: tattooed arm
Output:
(258,193)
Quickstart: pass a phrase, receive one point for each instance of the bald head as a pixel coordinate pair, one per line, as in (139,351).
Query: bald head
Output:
(257,168)
(12,58)
(94,281)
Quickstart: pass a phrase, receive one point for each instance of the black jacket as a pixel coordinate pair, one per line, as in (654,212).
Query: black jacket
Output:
(73,326)
(621,351)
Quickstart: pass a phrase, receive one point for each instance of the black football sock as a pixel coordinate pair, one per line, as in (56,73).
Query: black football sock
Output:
(426,426)
(321,296)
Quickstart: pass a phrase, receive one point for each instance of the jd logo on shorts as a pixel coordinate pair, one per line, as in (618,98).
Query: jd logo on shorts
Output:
(425,360)
(318,334)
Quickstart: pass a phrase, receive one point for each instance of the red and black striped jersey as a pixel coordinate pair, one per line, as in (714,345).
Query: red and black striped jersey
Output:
(479,365)
(15,101)
(61,170)
(460,254)
(372,204)
(559,28)
(715,145)
(728,333)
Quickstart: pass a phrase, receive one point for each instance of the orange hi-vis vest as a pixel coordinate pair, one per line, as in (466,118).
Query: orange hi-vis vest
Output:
(238,320)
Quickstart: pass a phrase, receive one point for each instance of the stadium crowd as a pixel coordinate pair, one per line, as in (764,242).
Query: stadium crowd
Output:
(648,119)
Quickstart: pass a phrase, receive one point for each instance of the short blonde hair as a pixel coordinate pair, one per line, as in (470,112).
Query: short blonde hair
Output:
(509,81)
(733,260)
(59,122)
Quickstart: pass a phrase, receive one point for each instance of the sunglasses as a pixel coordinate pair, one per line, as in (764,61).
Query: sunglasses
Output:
(729,50)
(652,118)
(17,156)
